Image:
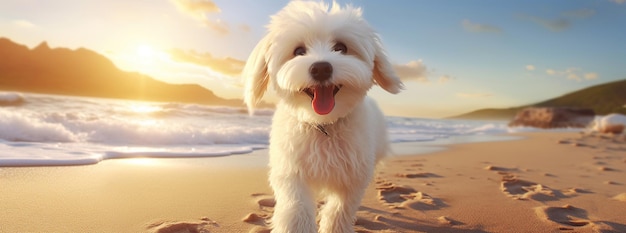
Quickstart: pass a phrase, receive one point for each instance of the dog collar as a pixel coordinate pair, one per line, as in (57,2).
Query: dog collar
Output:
(321,129)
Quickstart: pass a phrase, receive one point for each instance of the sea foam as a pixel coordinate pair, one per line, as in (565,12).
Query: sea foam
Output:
(11,99)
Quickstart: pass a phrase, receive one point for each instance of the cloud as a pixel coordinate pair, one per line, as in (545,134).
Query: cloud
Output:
(591,76)
(618,1)
(477,28)
(196,8)
(413,70)
(573,76)
(244,27)
(573,73)
(580,14)
(473,95)
(201,10)
(218,26)
(530,67)
(555,25)
(444,79)
(23,23)
(228,66)
(562,23)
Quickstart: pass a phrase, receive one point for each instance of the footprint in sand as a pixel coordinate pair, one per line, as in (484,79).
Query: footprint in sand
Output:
(266,204)
(369,225)
(257,219)
(525,190)
(422,201)
(444,220)
(606,169)
(567,215)
(503,171)
(500,169)
(620,197)
(610,182)
(392,194)
(265,201)
(398,196)
(418,175)
(202,226)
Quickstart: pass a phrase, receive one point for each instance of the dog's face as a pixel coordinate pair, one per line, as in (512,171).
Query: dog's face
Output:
(321,61)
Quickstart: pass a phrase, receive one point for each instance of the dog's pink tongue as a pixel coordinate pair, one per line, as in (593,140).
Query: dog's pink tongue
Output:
(323,99)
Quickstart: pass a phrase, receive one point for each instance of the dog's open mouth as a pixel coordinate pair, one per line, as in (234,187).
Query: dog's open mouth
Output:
(322,97)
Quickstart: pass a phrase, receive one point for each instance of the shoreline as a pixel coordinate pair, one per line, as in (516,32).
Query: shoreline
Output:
(442,144)
(534,184)
(255,157)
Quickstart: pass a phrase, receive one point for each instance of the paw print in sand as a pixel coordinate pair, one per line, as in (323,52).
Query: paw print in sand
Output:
(398,196)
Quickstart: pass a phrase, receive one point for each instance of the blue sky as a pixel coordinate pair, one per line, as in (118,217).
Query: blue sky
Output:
(455,56)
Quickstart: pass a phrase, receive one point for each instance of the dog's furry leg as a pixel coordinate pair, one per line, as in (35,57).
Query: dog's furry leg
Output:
(339,212)
(295,205)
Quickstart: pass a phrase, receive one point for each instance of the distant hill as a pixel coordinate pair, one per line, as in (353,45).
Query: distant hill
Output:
(83,72)
(603,99)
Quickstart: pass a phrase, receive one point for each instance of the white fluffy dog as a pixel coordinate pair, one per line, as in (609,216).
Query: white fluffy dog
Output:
(326,136)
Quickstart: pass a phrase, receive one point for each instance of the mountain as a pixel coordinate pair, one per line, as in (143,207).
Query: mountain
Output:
(83,72)
(603,99)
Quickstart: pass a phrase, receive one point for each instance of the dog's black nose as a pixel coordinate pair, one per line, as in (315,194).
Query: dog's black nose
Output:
(321,71)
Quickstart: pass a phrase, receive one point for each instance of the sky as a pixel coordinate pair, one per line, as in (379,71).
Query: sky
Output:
(453,56)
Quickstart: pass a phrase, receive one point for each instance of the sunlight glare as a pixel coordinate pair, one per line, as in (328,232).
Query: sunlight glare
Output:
(143,161)
(148,60)
(145,52)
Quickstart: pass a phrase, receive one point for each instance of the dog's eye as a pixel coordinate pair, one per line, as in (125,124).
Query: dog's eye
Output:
(299,51)
(340,47)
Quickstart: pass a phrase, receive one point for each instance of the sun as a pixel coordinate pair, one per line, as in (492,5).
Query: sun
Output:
(147,59)
(145,51)
(143,57)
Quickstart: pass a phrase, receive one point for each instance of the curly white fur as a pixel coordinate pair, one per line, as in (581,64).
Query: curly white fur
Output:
(304,161)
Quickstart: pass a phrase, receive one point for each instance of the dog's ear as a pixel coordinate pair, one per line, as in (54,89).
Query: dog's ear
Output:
(255,75)
(384,75)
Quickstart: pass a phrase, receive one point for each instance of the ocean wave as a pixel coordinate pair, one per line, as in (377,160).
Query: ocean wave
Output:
(53,127)
(19,127)
(11,99)
(402,129)
(59,130)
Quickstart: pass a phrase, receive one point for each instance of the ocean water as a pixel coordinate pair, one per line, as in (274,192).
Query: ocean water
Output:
(41,130)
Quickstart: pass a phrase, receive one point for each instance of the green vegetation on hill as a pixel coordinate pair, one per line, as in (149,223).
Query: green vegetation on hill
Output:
(603,99)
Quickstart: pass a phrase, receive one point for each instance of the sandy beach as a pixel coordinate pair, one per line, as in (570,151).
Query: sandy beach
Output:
(545,182)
